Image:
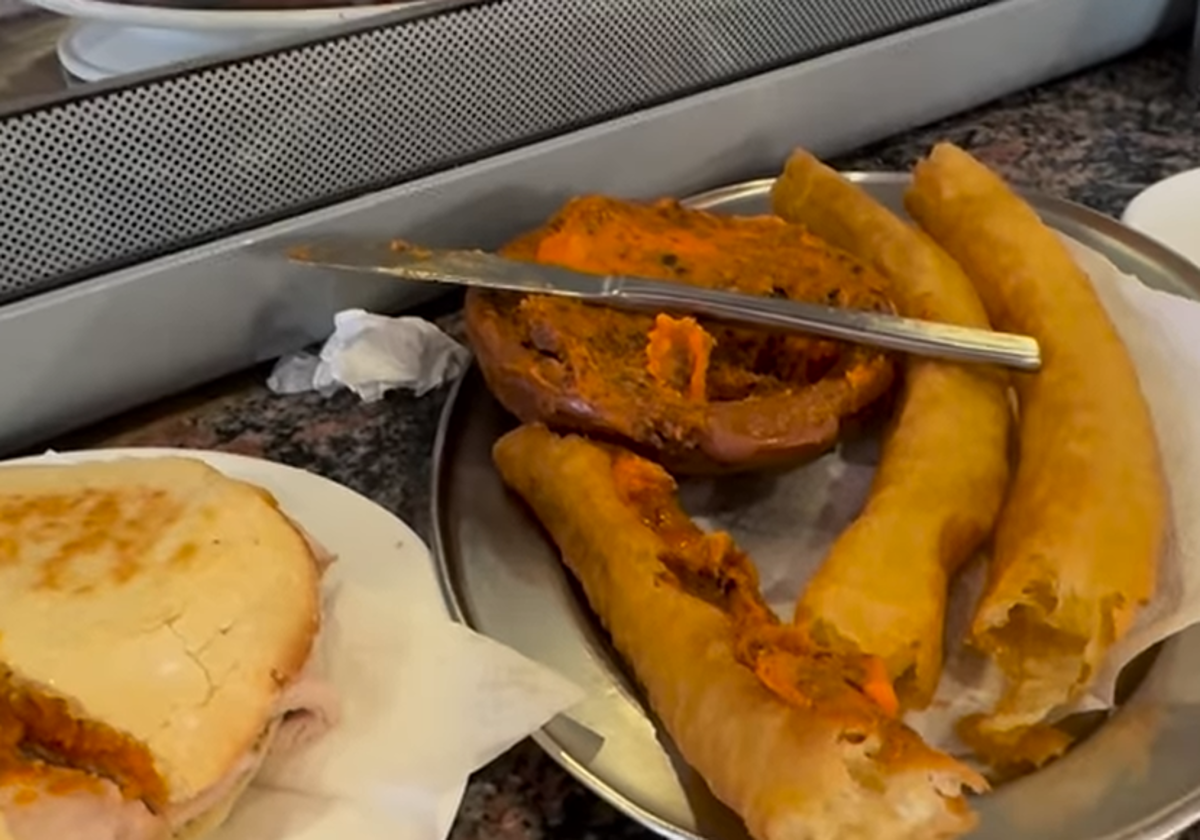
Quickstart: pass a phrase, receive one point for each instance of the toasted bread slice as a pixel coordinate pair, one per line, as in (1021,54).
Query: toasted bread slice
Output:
(699,397)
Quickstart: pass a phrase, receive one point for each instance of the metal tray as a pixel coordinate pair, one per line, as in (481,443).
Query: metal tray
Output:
(1137,777)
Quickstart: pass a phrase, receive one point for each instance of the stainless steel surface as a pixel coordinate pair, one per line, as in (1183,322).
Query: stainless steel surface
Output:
(156,158)
(135,167)
(1137,778)
(484,270)
(210,310)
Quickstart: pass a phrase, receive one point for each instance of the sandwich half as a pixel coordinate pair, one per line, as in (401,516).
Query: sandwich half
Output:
(156,624)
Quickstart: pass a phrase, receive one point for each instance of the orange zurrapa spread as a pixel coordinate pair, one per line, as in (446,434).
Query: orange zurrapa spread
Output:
(710,567)
(34,724)
(31,776)
(664,240)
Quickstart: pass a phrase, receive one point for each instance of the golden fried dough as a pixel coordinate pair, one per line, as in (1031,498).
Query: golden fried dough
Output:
(1078,540)
(944,467)
(801,742)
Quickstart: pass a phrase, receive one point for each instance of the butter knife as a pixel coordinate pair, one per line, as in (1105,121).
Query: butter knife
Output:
(477,268)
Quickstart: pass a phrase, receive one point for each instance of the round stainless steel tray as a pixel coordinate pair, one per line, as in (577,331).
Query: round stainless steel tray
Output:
(1136,778)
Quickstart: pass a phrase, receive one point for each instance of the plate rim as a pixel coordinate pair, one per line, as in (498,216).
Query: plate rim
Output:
(1090,227)
(76,51)
(544,740)
(1149,196)
(245,20)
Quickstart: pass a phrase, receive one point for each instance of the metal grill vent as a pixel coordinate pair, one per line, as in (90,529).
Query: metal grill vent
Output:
(119,176)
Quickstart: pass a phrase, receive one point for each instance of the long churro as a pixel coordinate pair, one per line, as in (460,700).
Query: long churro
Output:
(944,466)
(800,741)
(1078,539)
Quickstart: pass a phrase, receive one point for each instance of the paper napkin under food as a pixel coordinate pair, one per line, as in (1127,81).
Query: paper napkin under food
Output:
(371,355)
(425,702)
(794,517)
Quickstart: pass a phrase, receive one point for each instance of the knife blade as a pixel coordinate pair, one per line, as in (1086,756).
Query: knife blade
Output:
(489,271)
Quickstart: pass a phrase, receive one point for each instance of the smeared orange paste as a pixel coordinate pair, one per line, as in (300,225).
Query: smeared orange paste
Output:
(712,568)
(606,349)
(40,741)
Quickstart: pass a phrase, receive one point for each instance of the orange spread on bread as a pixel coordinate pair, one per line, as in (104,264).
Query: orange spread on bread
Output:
(32,724)
(758,255)
(678,354)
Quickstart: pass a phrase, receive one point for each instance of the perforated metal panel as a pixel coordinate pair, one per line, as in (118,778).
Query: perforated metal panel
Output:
(124,175)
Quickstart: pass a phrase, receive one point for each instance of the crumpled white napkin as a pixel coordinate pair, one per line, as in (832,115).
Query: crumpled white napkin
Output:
(371,355)
(264,814)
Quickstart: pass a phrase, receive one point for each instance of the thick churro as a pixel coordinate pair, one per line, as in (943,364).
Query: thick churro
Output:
(944,466)
(1078,540)
(799,741)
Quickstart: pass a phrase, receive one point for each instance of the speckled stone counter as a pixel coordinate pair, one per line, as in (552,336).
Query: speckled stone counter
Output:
(1097,138)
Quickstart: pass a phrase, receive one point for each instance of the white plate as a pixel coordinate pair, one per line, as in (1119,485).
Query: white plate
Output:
(370,543)
(1169,211)
(239,20)
(95,50)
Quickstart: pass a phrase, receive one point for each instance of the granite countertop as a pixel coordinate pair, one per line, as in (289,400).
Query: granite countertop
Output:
(1097,138)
